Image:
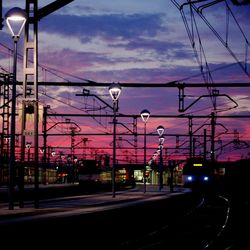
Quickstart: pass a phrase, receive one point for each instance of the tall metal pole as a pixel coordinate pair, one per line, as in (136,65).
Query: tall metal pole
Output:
(190,132)
(145,165)
(212,136)
(44,148)
(114,149)
(194,142)
(15,17)
(13,132)
(205,145)
(171,164)
(160,131)
(36,104)
(161,170)
(145,116)
(28,154)
(114,91)
(1,18)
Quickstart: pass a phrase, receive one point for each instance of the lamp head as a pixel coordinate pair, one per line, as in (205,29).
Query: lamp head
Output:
(160,130)
(41,150)
(115,91)
(145,115)
(16,19)
(161,140)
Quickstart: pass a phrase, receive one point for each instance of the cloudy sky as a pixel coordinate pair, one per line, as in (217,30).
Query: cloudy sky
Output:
(143,41)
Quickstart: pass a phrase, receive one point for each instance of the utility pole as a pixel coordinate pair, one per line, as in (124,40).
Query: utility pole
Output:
(1,15)
(190,132)
(205,145)
(213,123)
(171,164)
(84,141)
(194,146)
(30,104)
(30,72)
(72,150)
(44,147)
(135,138)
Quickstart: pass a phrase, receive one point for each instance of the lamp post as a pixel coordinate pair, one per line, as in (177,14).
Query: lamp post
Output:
(145,116)
(15,19)
(160,131)
(114,91)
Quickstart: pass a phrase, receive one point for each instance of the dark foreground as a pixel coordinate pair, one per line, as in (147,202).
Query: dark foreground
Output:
(115,229)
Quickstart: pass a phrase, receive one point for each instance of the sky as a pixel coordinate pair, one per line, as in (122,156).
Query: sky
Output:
(142,42)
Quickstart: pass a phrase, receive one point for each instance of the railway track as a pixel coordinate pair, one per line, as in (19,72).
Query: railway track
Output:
(200,228)
(187,221)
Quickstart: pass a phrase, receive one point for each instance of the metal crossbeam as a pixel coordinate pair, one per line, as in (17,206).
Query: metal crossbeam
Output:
(145,85)
(52,7)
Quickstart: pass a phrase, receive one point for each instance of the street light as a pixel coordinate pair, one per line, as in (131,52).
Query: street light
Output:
(15,19)
(160,131)
(145,115)
(28,146)
(114,91)
(161,140)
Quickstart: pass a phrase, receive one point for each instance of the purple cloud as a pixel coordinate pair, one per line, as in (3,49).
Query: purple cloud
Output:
(107,26)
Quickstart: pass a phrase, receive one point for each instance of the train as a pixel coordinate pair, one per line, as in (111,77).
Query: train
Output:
(92,174)
(227,178)
(199,173)
(25,173)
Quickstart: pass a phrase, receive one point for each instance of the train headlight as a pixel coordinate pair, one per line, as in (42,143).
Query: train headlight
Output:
(189,178)
(205,178)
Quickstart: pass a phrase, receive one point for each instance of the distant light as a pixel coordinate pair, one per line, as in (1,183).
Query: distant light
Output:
(189,178)
(28,145)
(161,140)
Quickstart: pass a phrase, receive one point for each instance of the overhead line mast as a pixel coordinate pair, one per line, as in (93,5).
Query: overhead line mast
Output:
(1,15)
(30,71)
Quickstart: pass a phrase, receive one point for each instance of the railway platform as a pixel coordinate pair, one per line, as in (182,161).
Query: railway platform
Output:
(86,203)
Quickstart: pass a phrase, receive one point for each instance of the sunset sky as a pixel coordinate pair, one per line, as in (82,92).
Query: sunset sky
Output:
(142,41)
